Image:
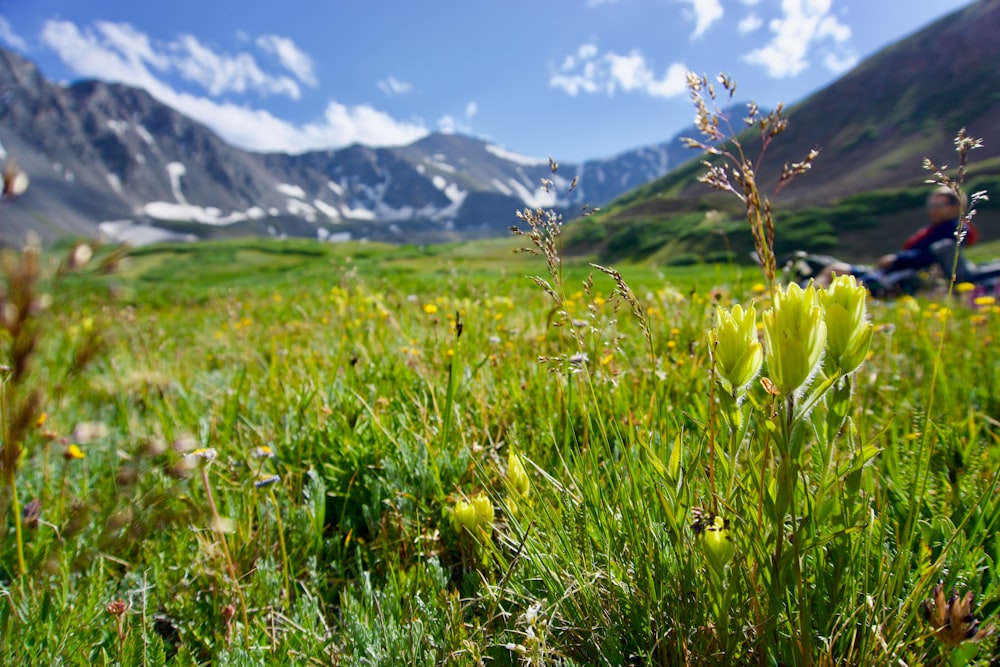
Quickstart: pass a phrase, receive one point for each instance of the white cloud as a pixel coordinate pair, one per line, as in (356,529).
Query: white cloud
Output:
(448,124)
(705,13)
(393,86)
(220,74)
(10,37)
(126,57)
(589,72)
(803,23)
(838,64)
(119,51)
(750,23)
(291,57)
(471,109)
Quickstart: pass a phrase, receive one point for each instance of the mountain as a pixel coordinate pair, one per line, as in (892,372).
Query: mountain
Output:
(873,126)
(111,159)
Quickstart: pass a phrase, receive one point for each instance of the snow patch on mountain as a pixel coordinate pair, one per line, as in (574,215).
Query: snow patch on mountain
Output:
(301,209)
(335,187)
(133,234)
(501,187)
(537,199)
(327,210)
(516,158)
(119,127)
(289,190)
(206,215)
(439,165)
(115,183)
(358,213)
(145,135)
(175,170)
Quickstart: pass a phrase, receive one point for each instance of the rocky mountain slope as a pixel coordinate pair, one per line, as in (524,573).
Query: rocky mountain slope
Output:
(107,158)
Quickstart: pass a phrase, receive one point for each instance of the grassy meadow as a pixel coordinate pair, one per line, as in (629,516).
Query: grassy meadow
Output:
(290,453)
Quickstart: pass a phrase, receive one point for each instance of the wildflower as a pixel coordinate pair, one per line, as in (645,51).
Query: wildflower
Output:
(848,331)
(116,608)
(74,452)
(266,480)
(795,335)
(42,418)
(205,454)
(964,287)
(263,452)
(738,355)
(516,474)
(579,359)
(430,308)
(475,515)
(759,288)
(980,301)
(953,621)
(714,539)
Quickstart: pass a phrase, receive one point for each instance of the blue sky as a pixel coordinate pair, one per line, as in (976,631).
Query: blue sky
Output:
(574,79)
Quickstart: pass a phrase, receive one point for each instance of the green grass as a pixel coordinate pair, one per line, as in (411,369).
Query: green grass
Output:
(345,363)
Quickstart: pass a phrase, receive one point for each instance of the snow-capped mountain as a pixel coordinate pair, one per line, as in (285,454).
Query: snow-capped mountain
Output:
(109,159)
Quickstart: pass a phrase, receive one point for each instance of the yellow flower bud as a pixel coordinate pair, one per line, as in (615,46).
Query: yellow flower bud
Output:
(484,512)
(463,515)
(849,333)
(716,543)
(738,355)
(473,515)
(794,336)
(516,474)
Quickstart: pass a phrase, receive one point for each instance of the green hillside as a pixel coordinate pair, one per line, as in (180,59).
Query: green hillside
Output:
(874,127)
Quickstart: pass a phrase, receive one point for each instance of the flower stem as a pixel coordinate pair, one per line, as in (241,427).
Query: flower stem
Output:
(217,521)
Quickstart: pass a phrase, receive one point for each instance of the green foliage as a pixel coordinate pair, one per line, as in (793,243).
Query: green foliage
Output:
(342,373)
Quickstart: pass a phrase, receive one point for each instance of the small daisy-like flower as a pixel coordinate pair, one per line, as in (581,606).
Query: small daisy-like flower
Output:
(984,300)
(264,452)
(74,452)
(267,480)
(964,287)
(430,308)
(205,454)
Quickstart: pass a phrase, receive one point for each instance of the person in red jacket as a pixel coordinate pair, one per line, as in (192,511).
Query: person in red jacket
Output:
(944,210)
